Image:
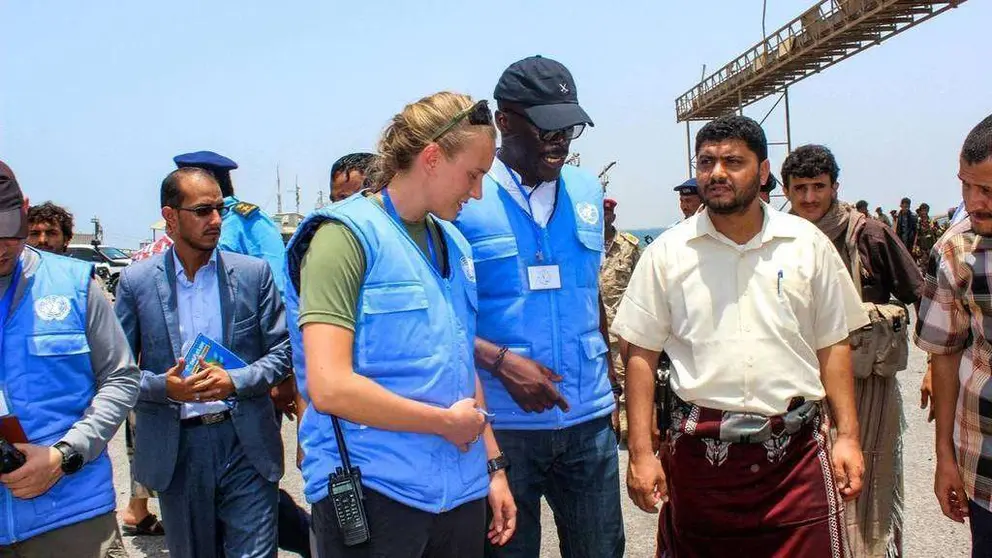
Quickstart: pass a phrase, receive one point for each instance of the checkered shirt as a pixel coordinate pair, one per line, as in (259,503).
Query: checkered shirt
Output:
(955,315)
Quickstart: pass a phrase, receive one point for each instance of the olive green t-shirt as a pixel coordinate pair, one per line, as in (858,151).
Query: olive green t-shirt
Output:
(333,269)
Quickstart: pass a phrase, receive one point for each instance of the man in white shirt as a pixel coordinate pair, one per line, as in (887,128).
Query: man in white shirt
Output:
(754,307)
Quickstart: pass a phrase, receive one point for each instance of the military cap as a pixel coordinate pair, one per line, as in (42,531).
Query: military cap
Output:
(688,188)
(205,160)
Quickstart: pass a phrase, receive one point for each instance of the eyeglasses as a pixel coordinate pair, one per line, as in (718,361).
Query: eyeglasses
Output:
(206,210)
(478,115)
(548,136)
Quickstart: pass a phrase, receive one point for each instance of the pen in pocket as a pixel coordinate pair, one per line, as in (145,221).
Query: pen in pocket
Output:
(779,286)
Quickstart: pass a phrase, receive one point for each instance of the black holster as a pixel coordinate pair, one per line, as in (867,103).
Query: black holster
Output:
(663,395)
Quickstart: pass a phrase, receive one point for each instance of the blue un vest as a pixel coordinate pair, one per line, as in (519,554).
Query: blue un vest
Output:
(558,328)
(50,383)
(414,336)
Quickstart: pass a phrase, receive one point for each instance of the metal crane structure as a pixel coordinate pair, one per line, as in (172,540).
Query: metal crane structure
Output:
(827,33)
(603,175)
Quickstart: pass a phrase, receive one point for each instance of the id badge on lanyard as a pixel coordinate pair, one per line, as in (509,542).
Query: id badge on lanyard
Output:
(543,276)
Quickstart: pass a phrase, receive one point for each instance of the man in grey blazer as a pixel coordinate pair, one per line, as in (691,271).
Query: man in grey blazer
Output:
(209,443)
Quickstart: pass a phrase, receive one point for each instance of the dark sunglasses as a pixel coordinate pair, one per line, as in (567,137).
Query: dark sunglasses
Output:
(206,210)
(477,114)
(569,132)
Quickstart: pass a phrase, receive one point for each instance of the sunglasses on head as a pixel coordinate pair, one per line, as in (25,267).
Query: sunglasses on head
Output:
(477,114)
(548,136)
(206,210)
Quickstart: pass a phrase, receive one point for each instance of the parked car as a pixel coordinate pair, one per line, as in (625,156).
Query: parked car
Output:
(107,260)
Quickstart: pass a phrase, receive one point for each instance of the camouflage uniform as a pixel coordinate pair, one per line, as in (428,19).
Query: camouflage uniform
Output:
(614,274)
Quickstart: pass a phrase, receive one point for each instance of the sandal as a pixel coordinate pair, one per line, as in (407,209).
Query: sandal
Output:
(149,526)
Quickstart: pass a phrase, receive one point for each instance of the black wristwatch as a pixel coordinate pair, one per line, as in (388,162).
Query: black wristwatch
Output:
(72,460)
(498,463)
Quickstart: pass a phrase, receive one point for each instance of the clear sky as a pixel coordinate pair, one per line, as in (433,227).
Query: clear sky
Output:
(96,97)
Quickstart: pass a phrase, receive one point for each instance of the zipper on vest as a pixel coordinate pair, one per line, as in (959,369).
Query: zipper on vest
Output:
(555,331)
(9,503)
(454,329)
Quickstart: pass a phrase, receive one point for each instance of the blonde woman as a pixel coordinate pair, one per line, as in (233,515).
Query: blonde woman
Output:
(382,289)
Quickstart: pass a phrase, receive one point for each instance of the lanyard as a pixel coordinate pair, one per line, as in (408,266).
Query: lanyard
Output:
(391,210)
(523,191)
(539,232)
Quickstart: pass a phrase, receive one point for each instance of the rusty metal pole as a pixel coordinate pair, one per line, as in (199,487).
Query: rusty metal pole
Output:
(788,123)
(688,147)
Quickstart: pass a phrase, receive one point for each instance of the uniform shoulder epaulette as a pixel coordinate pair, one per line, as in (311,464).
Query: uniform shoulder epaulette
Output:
(631,238)
(245,209)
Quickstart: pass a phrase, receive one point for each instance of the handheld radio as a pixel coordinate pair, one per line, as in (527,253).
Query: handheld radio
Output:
(346,495)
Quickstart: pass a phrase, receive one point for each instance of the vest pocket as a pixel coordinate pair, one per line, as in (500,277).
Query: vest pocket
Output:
(593,379)
(864,346)
(58,344)
(68,353)
(587,268)
(498,399)
(591,239)
(394,325)
(496,263)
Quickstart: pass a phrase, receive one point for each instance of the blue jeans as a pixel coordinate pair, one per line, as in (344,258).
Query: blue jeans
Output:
(577,470)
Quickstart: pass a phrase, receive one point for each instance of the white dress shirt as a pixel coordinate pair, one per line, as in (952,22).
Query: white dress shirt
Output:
(542,196)
(741,323)
(198,304)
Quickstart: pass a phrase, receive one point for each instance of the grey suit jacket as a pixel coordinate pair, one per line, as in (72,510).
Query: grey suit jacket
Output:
(254,329)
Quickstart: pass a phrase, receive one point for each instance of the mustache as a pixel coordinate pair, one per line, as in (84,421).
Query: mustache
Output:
(558,152)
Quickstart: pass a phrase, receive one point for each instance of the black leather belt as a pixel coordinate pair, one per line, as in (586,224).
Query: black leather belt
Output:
(208,419)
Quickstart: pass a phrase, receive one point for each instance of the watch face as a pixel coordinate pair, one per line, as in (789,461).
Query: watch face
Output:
(72,460)
(72,463)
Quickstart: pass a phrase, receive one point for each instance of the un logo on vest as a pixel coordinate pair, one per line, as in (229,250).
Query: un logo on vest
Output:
(587,212)
(52,308)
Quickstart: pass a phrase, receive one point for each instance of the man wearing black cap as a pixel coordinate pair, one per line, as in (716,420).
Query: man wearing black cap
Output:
(537,238)
(689,200)
(68,380)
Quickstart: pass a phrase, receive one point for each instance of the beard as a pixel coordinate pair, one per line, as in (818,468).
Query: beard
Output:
(743,198)
(203,243)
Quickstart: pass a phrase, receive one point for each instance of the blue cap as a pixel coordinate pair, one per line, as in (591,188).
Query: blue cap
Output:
(205,160)
(688,188)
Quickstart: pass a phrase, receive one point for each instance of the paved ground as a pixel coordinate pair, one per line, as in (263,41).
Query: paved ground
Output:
(928,533)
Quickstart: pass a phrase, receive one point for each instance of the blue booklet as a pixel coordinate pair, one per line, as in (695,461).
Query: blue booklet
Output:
(212,352)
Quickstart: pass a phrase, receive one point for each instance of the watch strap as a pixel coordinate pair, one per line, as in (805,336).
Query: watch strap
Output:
(498,463)
(72,460)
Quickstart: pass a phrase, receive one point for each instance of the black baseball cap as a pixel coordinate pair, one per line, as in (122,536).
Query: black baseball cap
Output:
(13,218)
(547,91)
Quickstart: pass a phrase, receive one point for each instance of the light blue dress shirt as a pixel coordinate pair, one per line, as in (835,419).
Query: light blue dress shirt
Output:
(199,312)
